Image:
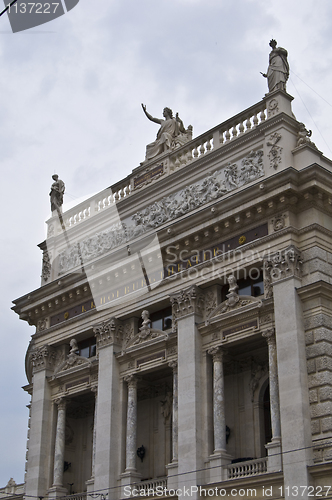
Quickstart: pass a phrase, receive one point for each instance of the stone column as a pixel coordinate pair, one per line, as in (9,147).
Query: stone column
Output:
(131,424)
(284,271)
(174,366)
(273,448)
(219,418)
(269,335)
(59,452)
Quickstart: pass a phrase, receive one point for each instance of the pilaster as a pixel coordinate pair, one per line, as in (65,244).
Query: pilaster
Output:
(284,268)
(108,412)
(188,307)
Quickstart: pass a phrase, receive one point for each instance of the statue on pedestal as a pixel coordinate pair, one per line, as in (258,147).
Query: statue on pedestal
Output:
(56,193)
(171,134)
(278,70)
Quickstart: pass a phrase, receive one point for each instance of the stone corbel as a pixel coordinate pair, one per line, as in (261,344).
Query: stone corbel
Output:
(191,300)
(43,358)
(283,264)
(109,332)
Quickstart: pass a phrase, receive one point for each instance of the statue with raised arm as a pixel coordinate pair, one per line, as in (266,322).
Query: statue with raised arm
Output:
(278,70)
(56,193)
(171,134)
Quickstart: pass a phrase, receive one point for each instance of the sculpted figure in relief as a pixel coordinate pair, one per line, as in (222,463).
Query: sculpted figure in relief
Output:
(56,193)
(170,135)
(278,70)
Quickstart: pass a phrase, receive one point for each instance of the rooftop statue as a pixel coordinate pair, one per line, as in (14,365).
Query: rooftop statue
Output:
(278,70)
(56,193)
(171,134)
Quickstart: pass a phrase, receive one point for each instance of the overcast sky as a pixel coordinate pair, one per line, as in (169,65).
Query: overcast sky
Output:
(70,103)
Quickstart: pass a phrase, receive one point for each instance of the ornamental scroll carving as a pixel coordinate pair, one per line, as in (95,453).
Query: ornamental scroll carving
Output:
(43,358)
(213,186)
(109,332)
(283,264)
(191,300)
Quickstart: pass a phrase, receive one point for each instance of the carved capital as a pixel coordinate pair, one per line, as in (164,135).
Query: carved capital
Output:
(217,353)
(269,336)
(283,264)
(131,381)
(173,365)
(187,301)
(109,332)
(43,358)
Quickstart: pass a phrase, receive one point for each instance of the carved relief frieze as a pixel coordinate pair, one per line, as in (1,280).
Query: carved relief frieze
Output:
(212,187)
(283,264)
(43,358)
(109,332)
(191,300)
(275,150)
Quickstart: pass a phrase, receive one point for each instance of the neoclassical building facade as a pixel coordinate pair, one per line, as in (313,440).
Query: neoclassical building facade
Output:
(183,325)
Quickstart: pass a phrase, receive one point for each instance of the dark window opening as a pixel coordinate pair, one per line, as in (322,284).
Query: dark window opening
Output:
(160,320)
(87,348)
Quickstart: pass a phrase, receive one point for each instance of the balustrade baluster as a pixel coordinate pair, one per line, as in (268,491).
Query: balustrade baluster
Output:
(227,136)
(255,120)
(241,128)
(234,132)
(195,153)
(248,123)
(262,115)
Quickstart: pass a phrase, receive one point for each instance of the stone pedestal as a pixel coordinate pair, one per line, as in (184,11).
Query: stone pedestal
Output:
(57,492)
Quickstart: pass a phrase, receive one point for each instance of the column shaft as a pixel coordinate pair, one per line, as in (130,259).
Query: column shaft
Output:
(274,386)
(131,424)
(219,418)
(59,453)
(174,365)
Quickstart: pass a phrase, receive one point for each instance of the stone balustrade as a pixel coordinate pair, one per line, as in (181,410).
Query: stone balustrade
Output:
(76,496)
(248,468)
(215,138)
(220,135)
(152,485)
